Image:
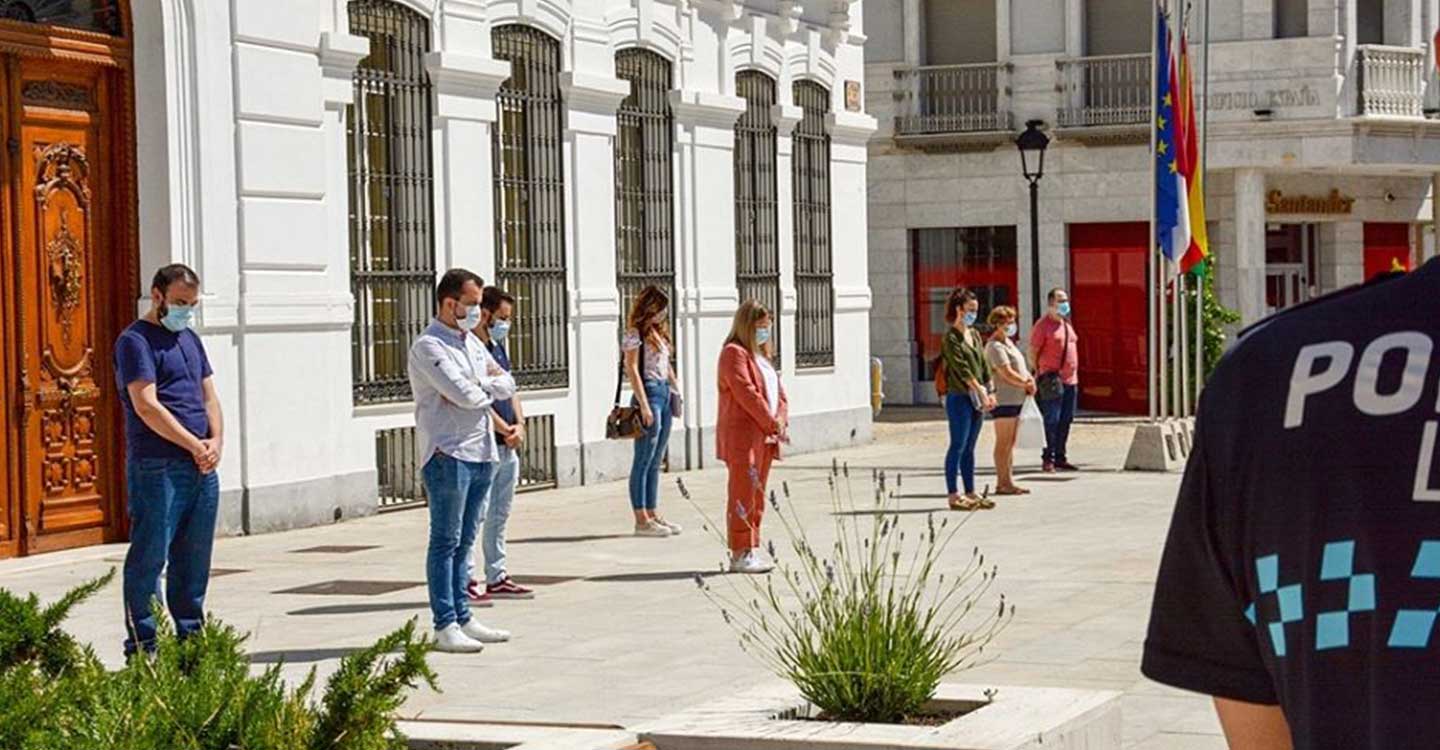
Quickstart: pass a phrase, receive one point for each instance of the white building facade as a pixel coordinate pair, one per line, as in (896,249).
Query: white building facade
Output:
(1323,146)
(320,162)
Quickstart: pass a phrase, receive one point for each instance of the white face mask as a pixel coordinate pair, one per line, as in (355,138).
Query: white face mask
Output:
(1011,330)
(471,321)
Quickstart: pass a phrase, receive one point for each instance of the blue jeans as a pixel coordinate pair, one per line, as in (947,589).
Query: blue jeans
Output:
(457,492)
(650,448)
(1059,413)
(965,423)
(172,508)
(497,515)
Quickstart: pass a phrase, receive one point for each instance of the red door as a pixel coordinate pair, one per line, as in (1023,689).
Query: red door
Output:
(1387,248)
(1107,290)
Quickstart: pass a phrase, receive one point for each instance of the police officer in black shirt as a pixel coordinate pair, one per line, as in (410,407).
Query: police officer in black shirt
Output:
(1300,584)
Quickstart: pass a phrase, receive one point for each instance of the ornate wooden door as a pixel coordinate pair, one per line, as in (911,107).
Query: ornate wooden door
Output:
(10,525)
(65,263)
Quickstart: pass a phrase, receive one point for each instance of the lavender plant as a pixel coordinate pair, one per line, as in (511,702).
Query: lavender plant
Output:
(867,627)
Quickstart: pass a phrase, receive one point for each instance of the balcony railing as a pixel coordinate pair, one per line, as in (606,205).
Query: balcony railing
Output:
(935,99)
(1392,80)
(1106,90)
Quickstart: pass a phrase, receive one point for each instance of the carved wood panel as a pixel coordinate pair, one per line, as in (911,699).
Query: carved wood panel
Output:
(68,411)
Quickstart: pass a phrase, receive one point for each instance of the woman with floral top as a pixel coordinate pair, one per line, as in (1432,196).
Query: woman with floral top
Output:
(647,365)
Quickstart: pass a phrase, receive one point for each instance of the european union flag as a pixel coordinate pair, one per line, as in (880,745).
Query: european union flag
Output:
(1167,184)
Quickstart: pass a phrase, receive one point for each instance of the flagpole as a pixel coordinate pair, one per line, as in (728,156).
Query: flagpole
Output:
(1200,281)
(1151,259)
(1181,12)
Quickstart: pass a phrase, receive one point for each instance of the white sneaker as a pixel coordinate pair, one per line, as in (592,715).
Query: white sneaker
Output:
(481,634)
(752,563)
(652,529)
(453,640)
(674,528)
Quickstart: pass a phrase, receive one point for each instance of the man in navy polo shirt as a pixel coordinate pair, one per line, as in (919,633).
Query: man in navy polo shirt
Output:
(1301,578)
(496,310)
(174,435)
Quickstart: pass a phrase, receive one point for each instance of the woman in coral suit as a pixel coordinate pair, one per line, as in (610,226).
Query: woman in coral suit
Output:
(752,423)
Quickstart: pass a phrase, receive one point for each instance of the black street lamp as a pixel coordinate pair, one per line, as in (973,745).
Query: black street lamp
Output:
(1032,145)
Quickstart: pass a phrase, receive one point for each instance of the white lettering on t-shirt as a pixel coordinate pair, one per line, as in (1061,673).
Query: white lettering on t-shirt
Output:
(1305,382)
(1368,398)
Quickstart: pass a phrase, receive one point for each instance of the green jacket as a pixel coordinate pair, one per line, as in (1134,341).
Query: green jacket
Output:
(964,361)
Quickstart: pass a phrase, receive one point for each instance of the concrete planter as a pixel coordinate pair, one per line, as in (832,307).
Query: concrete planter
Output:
(441,735)
(1018,718)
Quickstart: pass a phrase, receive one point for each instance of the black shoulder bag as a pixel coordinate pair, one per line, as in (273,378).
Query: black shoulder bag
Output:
(1049,386)
(625,422)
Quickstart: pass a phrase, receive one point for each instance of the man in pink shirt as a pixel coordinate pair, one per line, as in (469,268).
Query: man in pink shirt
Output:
(1055,355)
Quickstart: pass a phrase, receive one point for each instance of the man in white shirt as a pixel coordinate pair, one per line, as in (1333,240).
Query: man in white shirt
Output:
(455,381)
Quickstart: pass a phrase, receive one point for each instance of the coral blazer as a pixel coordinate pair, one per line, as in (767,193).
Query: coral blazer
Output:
(744,419)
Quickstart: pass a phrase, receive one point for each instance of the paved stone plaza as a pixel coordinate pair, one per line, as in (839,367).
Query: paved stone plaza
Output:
(618,633)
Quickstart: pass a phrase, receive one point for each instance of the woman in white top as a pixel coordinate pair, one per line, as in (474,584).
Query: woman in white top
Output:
(653,382)
(753,421)
(1013,384)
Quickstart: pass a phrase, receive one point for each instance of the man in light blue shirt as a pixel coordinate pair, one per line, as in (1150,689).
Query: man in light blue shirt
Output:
(455,381)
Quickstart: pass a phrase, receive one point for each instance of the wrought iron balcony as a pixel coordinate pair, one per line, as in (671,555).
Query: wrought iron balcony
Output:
(1104,90)
(1392,80)
(939,99)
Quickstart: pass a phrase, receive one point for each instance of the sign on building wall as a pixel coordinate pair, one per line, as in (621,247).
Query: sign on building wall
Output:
(852,96)
(1277,202)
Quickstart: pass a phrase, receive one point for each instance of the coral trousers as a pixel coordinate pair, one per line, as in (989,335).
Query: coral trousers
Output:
(746,504)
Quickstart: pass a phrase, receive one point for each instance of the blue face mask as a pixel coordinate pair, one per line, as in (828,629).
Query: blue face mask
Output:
(499,330)
(178,317)
(471,320)
(1063,308)
(762,336)
(970,318)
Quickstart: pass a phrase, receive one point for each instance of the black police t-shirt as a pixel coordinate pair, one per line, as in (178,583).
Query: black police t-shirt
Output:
(1302,566)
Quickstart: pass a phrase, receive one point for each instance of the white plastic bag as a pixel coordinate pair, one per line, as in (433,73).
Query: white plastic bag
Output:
(1031,435)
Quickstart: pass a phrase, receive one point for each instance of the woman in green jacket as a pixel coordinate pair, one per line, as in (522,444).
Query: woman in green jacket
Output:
(967,398)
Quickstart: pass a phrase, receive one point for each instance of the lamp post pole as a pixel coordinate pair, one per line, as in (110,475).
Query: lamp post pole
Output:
(1034,246)
(1032,143)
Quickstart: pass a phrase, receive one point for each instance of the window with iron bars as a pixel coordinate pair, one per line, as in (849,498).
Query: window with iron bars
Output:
(530,205)
(644,211)
(757,249)
(814,273)
(392,245)
(86,15)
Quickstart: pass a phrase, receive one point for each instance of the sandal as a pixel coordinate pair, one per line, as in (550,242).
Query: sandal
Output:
(1006,491)
(984,501)
(965,503)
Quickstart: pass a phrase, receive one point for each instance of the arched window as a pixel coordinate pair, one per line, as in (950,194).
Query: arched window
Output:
(644,211)
(87,15)
(814,277)
(757,247)
(392,239)
(530,204)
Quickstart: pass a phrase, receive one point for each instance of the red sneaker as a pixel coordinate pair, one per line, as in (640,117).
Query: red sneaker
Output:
(507,588)
(1066,466)
(478,596)
(1048,467)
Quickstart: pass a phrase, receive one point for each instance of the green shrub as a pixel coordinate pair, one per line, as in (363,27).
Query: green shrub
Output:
(867,629)
(195,694)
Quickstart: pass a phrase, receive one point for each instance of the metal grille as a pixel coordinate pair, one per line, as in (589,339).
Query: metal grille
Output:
(399,467)
(757,247)
(392,245)
(530,205)
(537,455)
(87,15)
(644,212)
(814,274)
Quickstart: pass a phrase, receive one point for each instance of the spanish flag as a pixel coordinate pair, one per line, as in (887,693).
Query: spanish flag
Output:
(1196,256)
